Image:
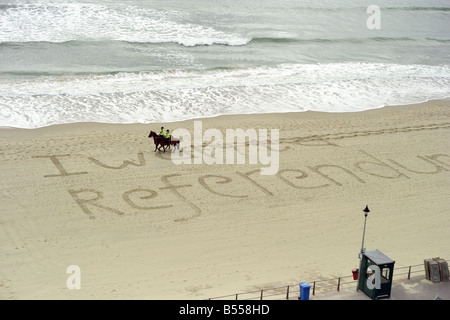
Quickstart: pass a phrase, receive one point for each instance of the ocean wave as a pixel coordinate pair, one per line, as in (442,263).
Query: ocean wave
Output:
(336,40)
(416,8)
(219,42)
(172,95)
(344,8)
(65,22)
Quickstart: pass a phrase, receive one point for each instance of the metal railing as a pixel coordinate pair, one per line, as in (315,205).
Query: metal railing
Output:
(292,291)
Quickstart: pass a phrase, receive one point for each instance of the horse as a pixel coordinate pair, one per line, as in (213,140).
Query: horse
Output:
(163,142)
(158,140)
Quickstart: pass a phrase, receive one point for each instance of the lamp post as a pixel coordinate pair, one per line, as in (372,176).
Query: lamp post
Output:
(366,212)
(360,256)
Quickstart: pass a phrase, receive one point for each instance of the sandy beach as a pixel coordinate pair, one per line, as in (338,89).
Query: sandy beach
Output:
(138,226)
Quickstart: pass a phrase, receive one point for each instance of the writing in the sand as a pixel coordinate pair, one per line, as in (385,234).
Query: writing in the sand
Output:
(301,179)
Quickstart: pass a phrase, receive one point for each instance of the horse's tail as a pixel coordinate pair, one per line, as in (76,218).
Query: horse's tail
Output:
(178,144)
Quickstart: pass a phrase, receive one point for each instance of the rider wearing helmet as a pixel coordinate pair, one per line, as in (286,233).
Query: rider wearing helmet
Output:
(167,135)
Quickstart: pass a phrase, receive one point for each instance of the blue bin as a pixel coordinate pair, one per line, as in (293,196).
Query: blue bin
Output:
(304,291)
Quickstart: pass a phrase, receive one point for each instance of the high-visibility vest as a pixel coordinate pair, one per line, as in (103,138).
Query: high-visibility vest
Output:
(168,135)
(161,133)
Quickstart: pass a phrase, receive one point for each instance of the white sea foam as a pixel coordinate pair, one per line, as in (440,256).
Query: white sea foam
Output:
(62,22)
(167,96)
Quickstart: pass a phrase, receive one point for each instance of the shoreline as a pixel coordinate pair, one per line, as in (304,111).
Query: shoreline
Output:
(6,131)
(140,227)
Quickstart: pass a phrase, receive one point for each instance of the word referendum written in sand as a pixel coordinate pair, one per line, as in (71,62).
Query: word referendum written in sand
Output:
(299,180)
(258,143)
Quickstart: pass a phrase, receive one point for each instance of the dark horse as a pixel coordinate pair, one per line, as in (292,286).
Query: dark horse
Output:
(163,142)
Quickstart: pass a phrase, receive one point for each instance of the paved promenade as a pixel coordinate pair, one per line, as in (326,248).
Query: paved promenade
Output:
(415,289)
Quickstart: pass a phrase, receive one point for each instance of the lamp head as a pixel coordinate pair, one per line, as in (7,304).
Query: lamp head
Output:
(366,210)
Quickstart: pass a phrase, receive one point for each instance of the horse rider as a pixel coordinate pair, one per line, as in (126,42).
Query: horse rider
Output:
(161,132)
(167,135)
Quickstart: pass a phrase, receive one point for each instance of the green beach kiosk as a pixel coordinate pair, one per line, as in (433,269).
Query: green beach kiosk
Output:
(375,274)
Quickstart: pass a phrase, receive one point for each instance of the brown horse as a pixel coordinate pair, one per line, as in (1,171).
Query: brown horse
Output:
(163,142)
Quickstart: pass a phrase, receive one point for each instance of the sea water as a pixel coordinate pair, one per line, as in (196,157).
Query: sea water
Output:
(167,60)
